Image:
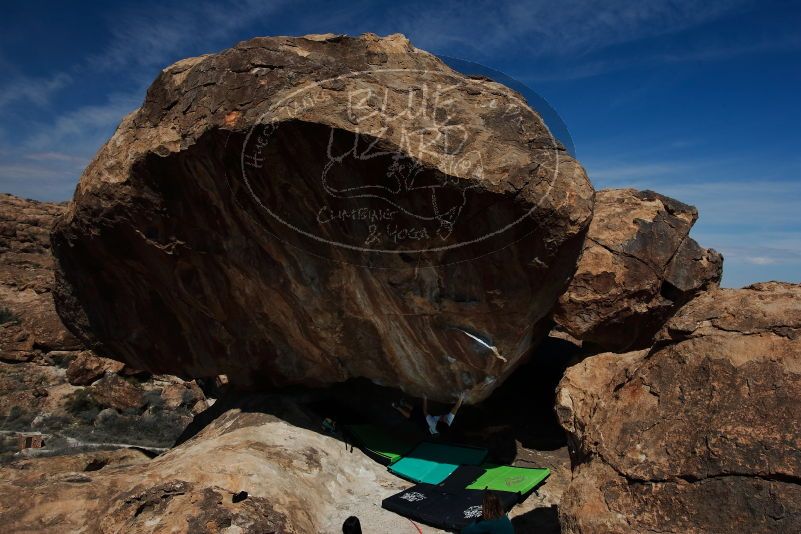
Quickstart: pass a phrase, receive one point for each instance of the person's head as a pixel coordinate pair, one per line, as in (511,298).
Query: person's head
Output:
(352,526)
(492,507)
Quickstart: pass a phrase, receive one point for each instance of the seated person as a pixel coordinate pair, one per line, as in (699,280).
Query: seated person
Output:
(493,518)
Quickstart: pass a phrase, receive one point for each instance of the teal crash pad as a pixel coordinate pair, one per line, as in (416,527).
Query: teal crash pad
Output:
(431,463)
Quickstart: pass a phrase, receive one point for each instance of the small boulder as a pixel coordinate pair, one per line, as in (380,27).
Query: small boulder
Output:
(179,394)
(115,392)
(85,368)
(638,267)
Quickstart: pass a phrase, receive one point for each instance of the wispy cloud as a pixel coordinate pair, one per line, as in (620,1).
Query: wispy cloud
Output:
(80,128)
(571,28)
(46,163)
(747,214)
(54,156)
(35,91)
(155,35)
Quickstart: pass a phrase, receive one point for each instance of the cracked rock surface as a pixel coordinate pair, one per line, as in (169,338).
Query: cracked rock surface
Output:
(638,267)
(701,432)
(306,210)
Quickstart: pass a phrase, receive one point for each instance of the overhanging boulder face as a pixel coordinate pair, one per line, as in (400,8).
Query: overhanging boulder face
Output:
(305,210)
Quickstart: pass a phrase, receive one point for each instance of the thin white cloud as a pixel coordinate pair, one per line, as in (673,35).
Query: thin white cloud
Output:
(84,129)
(54,156)
(752,254)
(154,35)
(751,218)
(542,28)
(37,91)
(761,260)
(759,200)
(47,164)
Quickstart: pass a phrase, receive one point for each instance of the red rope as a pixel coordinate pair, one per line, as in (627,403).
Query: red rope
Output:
(415,526)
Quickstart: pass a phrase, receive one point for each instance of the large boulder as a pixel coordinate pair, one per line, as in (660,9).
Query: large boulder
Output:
(638,267)
(698,434)
(29,323)
(305,210)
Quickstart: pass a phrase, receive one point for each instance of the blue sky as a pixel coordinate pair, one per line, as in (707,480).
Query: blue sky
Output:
(695,99)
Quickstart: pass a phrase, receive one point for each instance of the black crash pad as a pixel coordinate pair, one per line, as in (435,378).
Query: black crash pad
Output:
(445,508)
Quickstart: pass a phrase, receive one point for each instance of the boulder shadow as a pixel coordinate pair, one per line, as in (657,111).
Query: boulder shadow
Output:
(543,520)
(520,412)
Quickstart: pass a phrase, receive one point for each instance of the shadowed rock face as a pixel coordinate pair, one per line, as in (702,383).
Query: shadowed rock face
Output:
(638,267)
(305,210)
(698,434)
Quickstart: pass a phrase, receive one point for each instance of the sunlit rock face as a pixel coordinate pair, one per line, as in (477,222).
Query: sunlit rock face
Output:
(305,210)
(638,267)
(700,433)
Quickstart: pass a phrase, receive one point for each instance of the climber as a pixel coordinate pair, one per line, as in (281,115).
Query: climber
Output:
(434,424)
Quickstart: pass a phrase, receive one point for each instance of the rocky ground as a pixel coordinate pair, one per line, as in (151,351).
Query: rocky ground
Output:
(298,479)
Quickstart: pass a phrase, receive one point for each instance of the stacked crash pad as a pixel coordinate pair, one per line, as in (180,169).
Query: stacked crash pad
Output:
(452,501)
(450,479)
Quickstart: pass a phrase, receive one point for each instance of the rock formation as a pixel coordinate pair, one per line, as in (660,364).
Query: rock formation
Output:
(42,365)
(698,434)
(29,323)
(296,480)
(304,210)
(86,368)
(639,265)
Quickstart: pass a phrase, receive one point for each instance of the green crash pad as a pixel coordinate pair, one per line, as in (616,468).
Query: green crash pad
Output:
(509,478)
(431,463)
(388,447)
